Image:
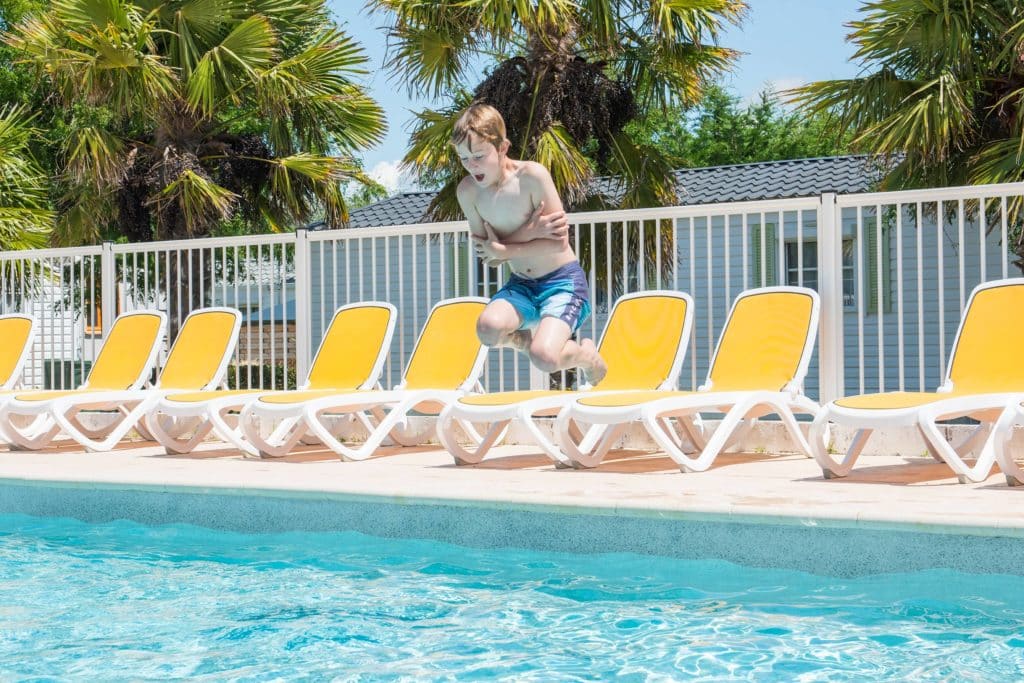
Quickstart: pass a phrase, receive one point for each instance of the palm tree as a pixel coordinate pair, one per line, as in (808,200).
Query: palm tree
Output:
(179,114)
(25,214)
(566,76)
(941,93)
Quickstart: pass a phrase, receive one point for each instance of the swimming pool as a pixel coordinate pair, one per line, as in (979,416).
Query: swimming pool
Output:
(125,600)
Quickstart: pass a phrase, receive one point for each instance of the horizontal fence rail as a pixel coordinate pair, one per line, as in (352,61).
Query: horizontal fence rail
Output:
(893,269)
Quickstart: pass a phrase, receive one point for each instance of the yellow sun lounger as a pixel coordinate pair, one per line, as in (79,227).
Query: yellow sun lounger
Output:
(350,358)
(983,376)
(17,331)
(123,365)
(445,364)
(644,343)
(758,369)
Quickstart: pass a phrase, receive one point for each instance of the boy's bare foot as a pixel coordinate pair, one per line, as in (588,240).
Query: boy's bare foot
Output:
(593,366)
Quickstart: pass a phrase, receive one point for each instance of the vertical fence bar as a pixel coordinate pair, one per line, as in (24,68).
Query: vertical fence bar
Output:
(860,298)
(108,286)
(830,287)
(303,302)
(899,295)
(879,295)
(919,232)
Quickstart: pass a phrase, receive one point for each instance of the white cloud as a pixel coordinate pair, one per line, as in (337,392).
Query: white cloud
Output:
(775,85)
(394,176)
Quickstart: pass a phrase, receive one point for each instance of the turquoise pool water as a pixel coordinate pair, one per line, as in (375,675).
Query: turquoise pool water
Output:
(123,600)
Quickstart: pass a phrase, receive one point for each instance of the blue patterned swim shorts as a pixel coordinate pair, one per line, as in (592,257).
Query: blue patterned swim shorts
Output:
(563,293)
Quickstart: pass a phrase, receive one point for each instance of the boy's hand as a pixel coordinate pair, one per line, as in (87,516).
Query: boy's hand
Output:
(489,248)
(551,226)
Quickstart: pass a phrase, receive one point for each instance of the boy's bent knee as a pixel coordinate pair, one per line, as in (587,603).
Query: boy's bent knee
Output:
(545,359)
(490,329)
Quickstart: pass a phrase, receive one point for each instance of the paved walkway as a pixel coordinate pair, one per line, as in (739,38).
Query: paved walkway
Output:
(915,492)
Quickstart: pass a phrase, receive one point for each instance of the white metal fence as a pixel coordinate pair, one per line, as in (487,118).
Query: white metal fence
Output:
(893,271)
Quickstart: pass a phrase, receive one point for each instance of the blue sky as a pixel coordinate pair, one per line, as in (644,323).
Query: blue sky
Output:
(785,43)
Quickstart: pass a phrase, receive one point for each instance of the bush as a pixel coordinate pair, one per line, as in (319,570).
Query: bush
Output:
(261,377)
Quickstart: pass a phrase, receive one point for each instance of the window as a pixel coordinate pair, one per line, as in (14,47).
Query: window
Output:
(809,268)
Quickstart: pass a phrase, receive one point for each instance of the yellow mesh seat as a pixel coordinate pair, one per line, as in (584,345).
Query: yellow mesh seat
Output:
(890,400)
(127,353)
(622,400)
(448,348)
(199,355)
(17,332)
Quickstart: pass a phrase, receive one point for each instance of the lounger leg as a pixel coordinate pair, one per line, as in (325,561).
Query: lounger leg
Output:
(714,445)
(394,416)
(830,467)
(546,443)
(65,417)
(793,427)
(167,430)
(609,434)
(218,422)
(446,433)
(999,441)
(951,455)
(574,444)
(38,433)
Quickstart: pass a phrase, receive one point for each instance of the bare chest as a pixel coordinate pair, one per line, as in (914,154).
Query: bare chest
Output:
(507,208)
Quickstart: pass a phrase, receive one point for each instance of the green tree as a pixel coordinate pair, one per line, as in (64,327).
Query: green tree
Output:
(941,93)
(567,77)
(175,116)
(721,130)
(25,215)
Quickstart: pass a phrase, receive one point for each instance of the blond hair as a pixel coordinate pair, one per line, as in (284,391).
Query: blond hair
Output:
(483,120)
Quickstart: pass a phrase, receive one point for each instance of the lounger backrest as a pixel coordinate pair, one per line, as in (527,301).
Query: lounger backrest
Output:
(353,349)
(767,341)
(448,354)
(645,340)
(17,332)
(986,356)
(128,353)
(200,354)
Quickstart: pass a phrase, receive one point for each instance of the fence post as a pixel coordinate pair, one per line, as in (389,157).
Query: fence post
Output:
(303,304)
(830,287)
(108,287)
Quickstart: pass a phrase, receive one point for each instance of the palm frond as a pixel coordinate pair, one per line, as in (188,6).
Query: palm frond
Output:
(198,199)
(225,69)
(570,169)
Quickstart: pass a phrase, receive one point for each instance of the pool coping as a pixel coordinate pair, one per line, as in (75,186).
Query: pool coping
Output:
(752,489)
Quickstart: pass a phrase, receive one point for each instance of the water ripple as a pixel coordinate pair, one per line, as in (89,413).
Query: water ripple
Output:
(122,600)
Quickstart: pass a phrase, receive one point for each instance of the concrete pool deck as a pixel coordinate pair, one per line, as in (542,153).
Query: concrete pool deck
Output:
(913,493)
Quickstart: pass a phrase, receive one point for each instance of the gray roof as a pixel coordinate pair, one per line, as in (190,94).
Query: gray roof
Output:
(709,185)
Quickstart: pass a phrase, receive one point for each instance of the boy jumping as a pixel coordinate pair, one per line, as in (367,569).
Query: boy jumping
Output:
(516,216)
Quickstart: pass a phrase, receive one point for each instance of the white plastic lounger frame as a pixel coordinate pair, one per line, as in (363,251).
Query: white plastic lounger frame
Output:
(999,442)
(218,412)
(444,365)
(114,383)
(737,385)
(983,375)
(647,333)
